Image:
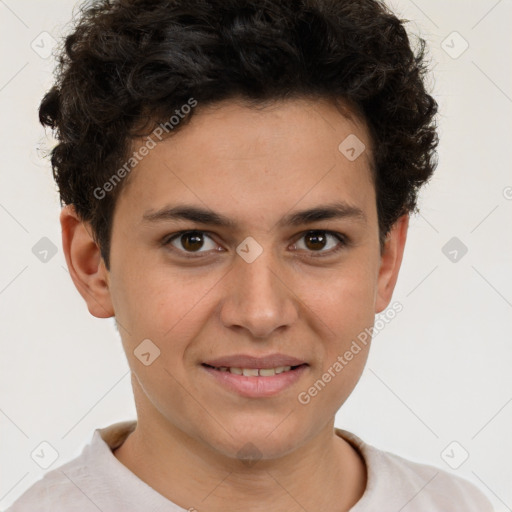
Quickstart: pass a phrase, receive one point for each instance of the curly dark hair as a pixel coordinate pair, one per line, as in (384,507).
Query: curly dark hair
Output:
(133,62)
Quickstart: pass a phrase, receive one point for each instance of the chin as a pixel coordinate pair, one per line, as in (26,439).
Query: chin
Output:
(259,439)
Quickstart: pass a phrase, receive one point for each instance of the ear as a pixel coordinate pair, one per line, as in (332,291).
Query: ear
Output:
(85,264)
(391,260)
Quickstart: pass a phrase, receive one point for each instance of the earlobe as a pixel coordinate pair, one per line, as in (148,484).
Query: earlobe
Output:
(391,260)
(85,264)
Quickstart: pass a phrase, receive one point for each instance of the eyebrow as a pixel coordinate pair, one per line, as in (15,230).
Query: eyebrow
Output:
(337,210)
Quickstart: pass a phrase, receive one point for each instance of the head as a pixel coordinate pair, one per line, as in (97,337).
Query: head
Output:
(290,141)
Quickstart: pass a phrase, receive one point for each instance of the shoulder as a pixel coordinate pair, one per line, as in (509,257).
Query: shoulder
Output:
(410,486)
(434,487)
(56,491)
(83,483)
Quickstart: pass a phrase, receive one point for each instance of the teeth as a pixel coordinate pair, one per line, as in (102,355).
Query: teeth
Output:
(255,372)
(250,372)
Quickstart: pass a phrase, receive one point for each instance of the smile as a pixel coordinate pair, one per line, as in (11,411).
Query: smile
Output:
(255,372)
(255,382)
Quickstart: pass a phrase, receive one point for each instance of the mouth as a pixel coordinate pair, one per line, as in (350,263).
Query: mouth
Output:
(255,372)
(252,377)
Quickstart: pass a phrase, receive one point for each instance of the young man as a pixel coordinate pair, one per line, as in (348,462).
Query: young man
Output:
(237,178)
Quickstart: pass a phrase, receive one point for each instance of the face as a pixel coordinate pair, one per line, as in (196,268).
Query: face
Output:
(247,241)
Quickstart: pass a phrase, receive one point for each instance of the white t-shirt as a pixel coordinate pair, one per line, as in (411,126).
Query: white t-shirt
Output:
(96,481)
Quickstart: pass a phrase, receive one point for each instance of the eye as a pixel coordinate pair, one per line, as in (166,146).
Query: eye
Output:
(316,241)
(191,242)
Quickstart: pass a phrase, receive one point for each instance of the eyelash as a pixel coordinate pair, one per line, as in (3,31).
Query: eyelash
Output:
(342,239)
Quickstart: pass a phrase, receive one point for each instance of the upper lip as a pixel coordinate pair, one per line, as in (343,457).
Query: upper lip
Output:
(247,361)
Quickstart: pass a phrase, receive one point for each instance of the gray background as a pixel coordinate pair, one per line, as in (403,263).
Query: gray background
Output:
(439,373)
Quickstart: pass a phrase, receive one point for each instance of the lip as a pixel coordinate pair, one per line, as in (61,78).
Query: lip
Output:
(257,387)
(248,361)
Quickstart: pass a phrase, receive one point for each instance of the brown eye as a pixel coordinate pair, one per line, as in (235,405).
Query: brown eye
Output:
(191,242)
(324,243)
(315,240)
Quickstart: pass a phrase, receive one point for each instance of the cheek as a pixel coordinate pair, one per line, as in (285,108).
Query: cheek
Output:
(346,302)
(164,305)
(345,309)
(345,312)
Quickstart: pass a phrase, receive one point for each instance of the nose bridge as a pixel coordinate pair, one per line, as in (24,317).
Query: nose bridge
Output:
(257,299)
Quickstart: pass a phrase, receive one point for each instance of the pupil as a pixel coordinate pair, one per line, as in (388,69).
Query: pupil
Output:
(192,241)
(316,241)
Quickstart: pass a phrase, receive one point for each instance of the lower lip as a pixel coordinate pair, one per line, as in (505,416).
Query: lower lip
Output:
(257,387)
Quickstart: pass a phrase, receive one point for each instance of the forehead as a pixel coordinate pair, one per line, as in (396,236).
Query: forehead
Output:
(241,160)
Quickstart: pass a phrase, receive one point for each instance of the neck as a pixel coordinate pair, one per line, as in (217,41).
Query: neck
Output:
(327,473)
(324,473)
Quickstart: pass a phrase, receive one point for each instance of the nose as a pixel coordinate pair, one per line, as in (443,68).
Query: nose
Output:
(258,298)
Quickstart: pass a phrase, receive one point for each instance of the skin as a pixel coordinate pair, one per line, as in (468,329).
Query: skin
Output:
(253,166)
